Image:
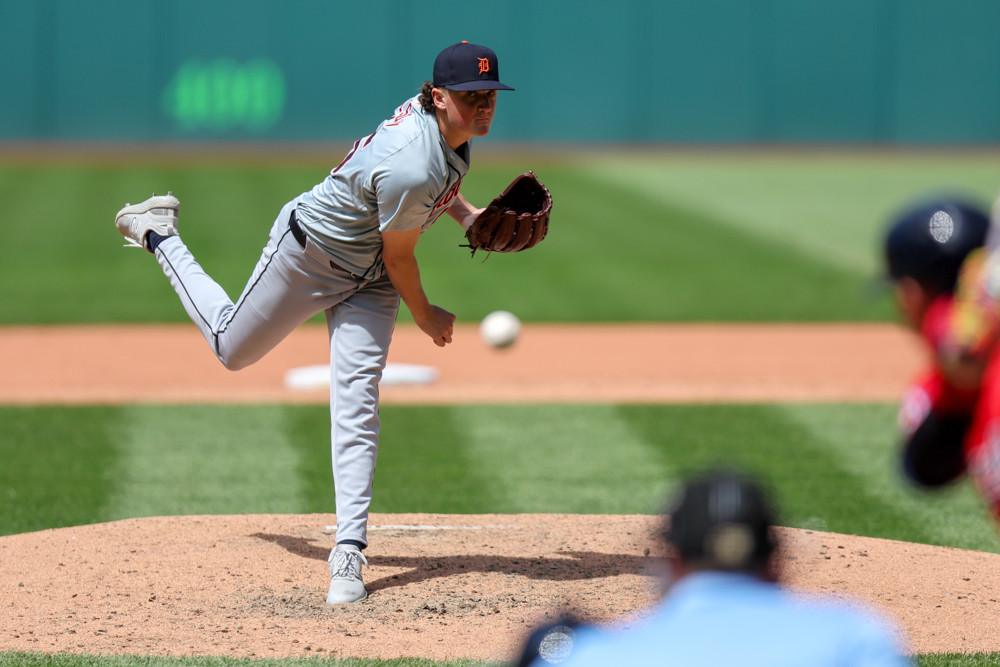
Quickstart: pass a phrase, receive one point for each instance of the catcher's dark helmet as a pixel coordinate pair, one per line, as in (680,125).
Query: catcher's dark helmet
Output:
(721,520)
(929,240)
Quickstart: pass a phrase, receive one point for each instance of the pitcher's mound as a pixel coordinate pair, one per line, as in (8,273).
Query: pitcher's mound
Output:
(441,586)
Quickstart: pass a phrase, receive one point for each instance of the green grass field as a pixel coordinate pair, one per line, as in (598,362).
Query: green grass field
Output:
(682,236)
(671,237)
(831,465)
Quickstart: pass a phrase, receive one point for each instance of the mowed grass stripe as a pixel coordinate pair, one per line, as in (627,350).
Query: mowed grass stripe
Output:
(684,264)
(629,251)
(831,207)
(565,459)
(58,466)
(809,486)
(863,440)
(427,463)
(177,460)
(831,467)
(307,430)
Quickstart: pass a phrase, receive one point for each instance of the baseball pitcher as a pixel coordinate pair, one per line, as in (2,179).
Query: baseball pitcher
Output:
(346,248)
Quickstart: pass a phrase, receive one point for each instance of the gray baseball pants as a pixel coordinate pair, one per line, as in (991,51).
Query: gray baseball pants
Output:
(289,285)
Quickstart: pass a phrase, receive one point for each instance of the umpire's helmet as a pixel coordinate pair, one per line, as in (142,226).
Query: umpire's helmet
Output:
(722,520)
(928,241)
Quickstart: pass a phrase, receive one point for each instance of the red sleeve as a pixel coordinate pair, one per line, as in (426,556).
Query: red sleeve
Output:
(931,393)
(935,328)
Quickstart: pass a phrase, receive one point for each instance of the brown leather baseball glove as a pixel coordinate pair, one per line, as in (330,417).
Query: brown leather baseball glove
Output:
(516,220)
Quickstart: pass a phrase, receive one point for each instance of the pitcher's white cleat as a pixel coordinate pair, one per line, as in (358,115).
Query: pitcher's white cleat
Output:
(346,584)
(157,214)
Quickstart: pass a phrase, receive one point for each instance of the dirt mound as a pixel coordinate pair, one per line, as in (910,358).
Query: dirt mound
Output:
(441,586)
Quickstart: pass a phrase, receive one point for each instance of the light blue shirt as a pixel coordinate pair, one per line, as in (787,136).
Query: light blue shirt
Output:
(399,178)
(733,620)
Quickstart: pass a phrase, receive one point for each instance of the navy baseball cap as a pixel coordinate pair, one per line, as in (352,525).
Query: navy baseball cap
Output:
(929,240)
(465,66)
(722,520)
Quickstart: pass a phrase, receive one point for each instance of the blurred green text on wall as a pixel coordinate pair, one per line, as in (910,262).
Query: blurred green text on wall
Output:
(223,95)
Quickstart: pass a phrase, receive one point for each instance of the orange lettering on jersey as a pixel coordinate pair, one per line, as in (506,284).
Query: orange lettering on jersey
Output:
(484,65)
(444,203)
(402,114)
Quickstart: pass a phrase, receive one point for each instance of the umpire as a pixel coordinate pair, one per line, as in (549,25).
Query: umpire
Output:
(723,605)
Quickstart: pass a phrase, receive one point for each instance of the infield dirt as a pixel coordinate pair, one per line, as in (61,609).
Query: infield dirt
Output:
(443,586)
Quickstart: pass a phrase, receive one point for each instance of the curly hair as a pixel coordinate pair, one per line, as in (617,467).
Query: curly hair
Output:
(426,99)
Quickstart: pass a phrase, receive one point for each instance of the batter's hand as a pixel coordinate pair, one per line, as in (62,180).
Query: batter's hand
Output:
(439,324)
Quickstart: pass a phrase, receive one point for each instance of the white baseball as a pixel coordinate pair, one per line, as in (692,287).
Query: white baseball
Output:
(500,328)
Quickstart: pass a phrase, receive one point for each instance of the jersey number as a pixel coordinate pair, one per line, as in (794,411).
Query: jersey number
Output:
(401,114)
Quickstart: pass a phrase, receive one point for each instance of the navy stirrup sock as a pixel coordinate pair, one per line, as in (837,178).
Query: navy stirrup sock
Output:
(153,239)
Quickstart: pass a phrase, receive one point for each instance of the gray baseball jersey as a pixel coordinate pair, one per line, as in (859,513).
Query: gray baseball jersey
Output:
(401,177)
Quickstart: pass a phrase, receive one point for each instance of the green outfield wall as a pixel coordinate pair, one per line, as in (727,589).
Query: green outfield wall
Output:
(665,71)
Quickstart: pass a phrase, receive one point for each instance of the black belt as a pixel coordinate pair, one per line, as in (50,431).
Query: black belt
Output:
(300,236)
(296,229)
